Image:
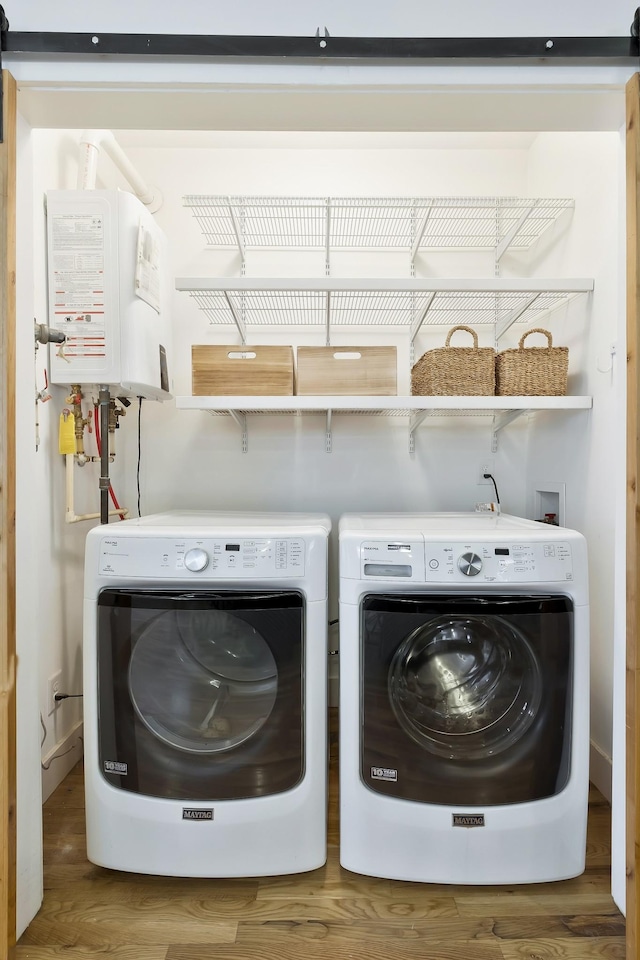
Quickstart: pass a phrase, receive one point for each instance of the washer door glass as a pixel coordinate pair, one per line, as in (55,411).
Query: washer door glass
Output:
(465,687)
(202,681)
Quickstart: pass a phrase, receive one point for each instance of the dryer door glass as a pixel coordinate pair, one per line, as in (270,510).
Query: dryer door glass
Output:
(201,694)
(466,699)
(203,681)
(465,687)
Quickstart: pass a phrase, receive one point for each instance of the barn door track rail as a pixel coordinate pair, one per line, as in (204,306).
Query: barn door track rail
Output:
(321,47)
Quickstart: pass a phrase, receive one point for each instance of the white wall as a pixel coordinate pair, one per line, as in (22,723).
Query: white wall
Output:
(587,166)
(28,587)
(404,18)
(49,555)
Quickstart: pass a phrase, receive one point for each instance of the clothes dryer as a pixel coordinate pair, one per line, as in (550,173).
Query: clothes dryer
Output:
(205,653)
(464,690)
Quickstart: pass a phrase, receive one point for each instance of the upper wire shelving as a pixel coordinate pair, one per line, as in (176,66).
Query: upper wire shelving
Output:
(413,225)
(328,303)
(382,223)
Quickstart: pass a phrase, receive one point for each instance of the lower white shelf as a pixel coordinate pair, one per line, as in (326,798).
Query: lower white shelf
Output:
(391,405)
(503,410)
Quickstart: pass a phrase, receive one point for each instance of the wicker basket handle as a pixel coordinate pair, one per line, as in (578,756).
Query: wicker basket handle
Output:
(535,330)
(447,342)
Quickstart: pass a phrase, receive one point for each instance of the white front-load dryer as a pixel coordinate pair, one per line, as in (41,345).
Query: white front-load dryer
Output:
(464,691)
(205,655)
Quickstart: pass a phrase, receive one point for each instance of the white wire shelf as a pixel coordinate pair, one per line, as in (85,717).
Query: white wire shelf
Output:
(382,223)
(416,410)
(333,302)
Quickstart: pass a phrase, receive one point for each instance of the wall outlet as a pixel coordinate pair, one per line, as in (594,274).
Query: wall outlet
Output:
(487,466)
(54,685)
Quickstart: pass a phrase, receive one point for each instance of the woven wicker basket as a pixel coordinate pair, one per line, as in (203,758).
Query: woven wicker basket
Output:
(455,371)
(534,371)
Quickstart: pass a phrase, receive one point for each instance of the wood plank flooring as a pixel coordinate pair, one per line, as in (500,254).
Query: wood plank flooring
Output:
(329,913)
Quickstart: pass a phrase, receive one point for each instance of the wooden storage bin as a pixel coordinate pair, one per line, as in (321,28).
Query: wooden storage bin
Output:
(241,371)
(347,371)
(532,371)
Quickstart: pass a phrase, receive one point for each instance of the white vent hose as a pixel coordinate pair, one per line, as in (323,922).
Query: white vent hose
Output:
(91,142)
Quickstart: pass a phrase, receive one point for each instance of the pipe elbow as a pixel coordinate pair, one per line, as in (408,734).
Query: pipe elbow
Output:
(91,142)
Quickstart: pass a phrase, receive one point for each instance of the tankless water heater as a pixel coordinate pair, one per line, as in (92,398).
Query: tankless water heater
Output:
(109,293)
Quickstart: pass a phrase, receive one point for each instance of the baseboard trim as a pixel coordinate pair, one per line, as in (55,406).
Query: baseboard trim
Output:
(62,759)
(600,770)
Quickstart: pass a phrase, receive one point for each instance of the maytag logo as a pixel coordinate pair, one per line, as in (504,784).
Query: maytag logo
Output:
(399,546)
(192,813)
(467,819)
(384,773)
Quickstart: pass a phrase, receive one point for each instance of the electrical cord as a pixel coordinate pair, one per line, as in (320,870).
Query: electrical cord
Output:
(489,476)
(57,756)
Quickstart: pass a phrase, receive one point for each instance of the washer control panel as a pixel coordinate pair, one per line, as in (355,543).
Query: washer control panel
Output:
(517,562)
(208,558)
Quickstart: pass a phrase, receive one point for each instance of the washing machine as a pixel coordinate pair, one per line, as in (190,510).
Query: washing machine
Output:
(464,690)
(205,676)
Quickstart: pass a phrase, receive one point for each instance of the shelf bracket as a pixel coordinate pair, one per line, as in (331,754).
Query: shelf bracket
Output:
(417,323)
(241,420)
(501,420)
(414,423)
(420,233)
(328,319)
(327,435)
(239,322)
(509,237)
(501,328)
(327,239)
(237,231)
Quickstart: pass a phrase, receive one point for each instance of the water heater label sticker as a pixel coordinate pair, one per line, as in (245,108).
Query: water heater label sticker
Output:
(77,271)
(148,269)
(384,773)
(114,766)
(195,813)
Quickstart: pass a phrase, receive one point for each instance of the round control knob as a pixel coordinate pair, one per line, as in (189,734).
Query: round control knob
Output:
(196,560)
(469,564)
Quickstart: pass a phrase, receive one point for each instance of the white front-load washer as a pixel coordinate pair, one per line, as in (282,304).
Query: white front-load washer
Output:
(464,691)
(205,674)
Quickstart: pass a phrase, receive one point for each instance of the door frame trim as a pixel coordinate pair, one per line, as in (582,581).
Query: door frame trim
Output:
(8,519)
(633,517)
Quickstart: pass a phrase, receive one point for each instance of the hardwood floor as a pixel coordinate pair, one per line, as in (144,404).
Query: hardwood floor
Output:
(330,913)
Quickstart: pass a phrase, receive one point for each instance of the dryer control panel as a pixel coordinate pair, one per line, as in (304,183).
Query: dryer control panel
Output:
(208,558)
(509,562)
